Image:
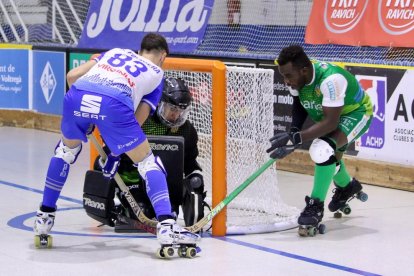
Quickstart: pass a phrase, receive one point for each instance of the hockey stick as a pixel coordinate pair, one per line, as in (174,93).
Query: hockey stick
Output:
(203,222)
(142,218)
(136,224)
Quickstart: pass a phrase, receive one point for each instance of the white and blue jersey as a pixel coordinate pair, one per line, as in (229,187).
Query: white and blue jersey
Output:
(108,95)
(126,76)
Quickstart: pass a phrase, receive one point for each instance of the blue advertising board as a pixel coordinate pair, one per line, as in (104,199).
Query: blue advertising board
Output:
(123,23)
(14,78)
(49,81)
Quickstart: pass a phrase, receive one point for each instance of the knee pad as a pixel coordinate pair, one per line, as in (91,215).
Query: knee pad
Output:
(67,154)
(322,151)
(150,163)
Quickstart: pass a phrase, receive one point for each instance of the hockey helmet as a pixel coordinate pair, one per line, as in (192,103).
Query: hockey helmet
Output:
(175,102)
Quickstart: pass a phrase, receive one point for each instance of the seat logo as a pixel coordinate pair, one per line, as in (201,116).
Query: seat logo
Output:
(91,104)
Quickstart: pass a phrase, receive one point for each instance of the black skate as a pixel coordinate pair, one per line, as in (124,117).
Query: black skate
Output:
(342,196)
(310,218)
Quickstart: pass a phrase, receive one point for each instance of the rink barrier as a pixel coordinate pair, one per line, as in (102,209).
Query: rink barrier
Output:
(371,172)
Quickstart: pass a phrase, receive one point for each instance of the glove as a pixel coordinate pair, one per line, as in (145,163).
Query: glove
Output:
(90,129)
(284,143)
(196,180)
(110,165)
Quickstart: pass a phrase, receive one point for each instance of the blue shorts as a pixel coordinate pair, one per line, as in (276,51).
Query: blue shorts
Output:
(116,121)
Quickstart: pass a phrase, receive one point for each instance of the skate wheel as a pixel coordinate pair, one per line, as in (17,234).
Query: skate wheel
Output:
(168,252)
(181,253)
(312,231)
(43,241)
(346,210)
(37,241)
(322,228)
(160,253)
(338,215)
(362,196)
(302,231)
(49,241)
(191,252)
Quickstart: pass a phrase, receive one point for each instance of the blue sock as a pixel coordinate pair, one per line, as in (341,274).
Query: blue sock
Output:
(157,191)
(55,179)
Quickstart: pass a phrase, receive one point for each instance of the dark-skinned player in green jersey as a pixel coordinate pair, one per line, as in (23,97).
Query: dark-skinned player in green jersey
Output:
(341,112)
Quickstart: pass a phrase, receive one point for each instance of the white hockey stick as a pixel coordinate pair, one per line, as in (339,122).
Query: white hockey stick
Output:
(149,225)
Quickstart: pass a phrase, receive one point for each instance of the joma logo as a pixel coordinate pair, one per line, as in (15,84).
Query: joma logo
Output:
(191,15)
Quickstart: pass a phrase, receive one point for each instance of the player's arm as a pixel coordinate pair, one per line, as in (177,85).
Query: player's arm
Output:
(148,104)
(142,112)
(79,71)
(327,125)
(299,115)
(333,90)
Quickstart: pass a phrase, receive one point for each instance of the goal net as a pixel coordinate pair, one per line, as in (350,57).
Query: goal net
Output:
(249,124)
(40,22)
(236,29)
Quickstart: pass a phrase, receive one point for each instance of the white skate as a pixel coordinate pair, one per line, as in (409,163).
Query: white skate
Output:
(172,236)
(42,226)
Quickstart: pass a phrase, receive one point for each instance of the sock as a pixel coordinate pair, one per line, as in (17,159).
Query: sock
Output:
(47,209)
(157,191)
(55,179)
(164,217)
(322,180)
(342,177)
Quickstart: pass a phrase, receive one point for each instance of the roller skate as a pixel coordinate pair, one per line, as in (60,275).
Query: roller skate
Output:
(310,219)
(173,237)
(342,196)
(42,226)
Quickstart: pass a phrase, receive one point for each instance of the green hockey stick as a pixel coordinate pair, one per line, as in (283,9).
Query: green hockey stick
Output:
(146,224)
(149,223)
(203,222)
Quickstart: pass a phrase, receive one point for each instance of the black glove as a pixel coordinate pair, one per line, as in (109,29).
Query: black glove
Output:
(196,181)
(90,129)
(284,143)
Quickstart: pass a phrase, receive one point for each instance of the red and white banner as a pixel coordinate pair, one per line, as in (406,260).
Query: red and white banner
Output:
(362,22)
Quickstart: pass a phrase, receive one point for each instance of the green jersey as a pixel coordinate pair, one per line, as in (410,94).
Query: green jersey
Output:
(332,86)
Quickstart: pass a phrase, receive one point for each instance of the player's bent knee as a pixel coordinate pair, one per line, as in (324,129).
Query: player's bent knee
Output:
(150,163)
(322,152)
(67,154)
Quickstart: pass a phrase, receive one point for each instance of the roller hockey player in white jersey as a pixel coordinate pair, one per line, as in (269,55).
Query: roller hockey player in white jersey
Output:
(115,92)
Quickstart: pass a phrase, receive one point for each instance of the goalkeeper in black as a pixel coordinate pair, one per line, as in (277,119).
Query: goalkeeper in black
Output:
(170,119)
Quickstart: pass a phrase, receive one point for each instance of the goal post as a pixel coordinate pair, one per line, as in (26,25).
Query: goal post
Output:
(218,175)
(232,111)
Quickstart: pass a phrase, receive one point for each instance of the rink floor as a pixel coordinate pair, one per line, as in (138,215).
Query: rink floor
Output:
(375,239)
